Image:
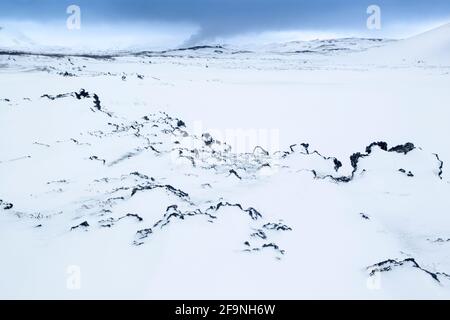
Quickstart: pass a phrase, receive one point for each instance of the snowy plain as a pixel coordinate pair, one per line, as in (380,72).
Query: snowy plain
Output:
(299,170)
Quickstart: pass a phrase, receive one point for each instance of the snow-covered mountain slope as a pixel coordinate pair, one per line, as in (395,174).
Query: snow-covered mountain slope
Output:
(429,48)
(201,174)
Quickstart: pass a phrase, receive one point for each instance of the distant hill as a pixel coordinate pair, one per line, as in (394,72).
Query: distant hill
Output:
(431,47)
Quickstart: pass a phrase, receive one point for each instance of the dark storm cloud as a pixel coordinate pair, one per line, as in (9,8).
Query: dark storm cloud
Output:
(229,17)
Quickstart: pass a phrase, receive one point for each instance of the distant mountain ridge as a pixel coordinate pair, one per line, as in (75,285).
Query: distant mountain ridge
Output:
(432,46)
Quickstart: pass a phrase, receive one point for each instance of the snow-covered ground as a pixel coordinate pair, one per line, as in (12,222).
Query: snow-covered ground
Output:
(298,170)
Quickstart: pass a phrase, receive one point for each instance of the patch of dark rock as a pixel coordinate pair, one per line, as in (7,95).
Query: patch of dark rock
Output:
(132,215)
(409,173)
(305,146)
(142,234)
(258,150)
(337,164)
(259,234)
(82,94)
(151,186)
(57,181)
(111,221)
(126,156)
(343,179)
(97,103)
(82,225)
(142,176)
(441,165)
(273,246)
(97,159)
(277,226)
(403,148)
(207,139)
(6,205)
(364,216)
(390,264)
(440,240)
(19,158)
(381,144)
(58,96)
(253,213)
(265,165)
(66,74)
(233,172)
(291,149)
(41,144)
(250,250)
(78,142)
(355,157)
(172,212)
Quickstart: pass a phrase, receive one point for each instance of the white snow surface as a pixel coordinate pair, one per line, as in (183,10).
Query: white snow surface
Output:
(215,172)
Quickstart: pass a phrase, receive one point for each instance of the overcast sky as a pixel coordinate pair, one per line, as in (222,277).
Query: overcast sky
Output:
(203,20)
